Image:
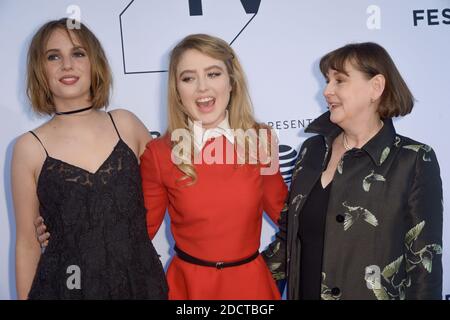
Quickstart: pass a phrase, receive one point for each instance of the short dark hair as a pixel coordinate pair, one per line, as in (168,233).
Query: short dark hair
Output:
(38,89)
(372,59)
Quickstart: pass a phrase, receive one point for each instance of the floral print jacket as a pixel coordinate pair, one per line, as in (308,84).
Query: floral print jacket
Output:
(383,232)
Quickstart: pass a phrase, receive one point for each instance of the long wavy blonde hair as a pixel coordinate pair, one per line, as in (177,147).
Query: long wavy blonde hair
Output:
(240,110)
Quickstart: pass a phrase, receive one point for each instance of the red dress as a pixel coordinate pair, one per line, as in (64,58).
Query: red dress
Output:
(218,218)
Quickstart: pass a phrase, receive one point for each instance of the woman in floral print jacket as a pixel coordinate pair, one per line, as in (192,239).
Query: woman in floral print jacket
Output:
(364,216)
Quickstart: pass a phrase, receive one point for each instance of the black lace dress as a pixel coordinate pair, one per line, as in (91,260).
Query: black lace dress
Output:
(99,247)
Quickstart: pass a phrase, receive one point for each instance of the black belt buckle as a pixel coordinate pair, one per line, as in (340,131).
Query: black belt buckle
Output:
(219,265)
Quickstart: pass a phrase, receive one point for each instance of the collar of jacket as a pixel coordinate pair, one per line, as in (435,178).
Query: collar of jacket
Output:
(374,147)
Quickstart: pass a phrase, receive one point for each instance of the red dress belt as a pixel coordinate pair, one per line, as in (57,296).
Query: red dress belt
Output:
(219,264)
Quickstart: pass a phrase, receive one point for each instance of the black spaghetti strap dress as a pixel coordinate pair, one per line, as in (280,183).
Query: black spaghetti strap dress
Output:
(99,247)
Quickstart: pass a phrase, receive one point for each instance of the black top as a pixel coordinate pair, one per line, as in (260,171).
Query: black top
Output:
(311,232)
(99,247)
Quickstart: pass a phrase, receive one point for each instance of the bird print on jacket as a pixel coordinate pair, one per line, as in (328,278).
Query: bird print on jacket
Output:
(412,259)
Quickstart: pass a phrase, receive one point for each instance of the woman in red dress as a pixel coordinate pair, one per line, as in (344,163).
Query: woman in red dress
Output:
(215,189)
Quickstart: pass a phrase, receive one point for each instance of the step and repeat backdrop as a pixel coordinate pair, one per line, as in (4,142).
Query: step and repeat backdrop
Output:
(279,42)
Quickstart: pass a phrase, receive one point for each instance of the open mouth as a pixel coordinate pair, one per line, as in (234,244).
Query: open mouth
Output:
(205,104)
(69,80)
(332,106)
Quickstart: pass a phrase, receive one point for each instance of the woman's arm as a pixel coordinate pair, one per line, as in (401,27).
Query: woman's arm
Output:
(274,203)
(155,193)
(423,240)
(26,207)
(275,255)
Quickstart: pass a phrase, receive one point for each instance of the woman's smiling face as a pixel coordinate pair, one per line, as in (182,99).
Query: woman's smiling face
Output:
(204,87)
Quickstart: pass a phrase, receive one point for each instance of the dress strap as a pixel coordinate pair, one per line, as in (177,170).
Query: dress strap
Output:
(34,134)
(114,124)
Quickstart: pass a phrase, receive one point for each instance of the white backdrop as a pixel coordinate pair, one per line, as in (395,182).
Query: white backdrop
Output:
(279,43)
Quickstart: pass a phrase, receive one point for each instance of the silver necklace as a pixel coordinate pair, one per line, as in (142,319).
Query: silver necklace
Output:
(345,142)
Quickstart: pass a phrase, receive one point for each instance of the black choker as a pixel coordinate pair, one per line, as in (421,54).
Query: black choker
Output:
(74,111)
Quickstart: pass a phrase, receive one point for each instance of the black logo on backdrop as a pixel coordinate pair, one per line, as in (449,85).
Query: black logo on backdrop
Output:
(431,17)
(196,8)
(234,25)
(287,155)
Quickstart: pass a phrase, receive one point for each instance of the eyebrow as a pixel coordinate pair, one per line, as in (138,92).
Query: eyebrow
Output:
(58,50)
(206,69)
(337,73)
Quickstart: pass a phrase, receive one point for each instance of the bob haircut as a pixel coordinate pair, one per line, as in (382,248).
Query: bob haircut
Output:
(38,89)
(372,59)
